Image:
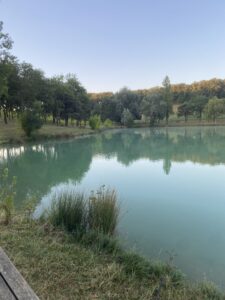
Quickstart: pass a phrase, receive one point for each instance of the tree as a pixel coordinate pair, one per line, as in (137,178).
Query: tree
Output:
(5,68)
(167,96)
(185,109)
(214,108)
(198,104)
(154,107)
(127,118)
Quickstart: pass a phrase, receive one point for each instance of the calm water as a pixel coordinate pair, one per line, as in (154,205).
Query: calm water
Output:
(171,184)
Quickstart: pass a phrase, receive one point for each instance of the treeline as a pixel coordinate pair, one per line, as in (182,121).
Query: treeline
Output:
(24,89)
(197,99)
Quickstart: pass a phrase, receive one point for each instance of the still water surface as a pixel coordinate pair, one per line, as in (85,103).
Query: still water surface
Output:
(171,184)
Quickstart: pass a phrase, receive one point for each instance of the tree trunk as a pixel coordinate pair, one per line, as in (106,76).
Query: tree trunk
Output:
(5,117)
(66,121)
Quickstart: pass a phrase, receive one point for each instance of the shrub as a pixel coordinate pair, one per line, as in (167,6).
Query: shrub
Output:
(7,195)
(68,210)
(108,123)
(30,122)
(103,211)
(95,122)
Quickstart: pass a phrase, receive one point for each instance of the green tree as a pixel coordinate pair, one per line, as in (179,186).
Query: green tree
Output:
(167,96)
(154,107)
(5,68)
(198,103)
(214,108)
(127,118)
(185,109)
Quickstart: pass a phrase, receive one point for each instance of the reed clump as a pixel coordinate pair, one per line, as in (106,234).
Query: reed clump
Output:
(103,211)
(80,214)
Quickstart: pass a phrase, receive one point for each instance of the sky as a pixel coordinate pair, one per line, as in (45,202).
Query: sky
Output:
(110,44)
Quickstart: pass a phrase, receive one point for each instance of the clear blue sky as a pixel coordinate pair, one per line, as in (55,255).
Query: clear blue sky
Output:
(109,44)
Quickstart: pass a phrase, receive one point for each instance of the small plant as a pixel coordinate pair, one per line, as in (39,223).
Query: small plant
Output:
(108,123)
(68,210)
(103,211)
(7,195)
(95,122)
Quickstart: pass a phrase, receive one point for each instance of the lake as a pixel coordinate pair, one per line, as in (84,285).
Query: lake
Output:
(170,182)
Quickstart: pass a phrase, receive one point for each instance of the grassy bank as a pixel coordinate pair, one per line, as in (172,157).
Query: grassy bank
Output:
(59,267)
(12,133)
(71,252)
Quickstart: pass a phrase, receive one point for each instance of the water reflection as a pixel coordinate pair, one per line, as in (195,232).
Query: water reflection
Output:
(171,182)
(39,167)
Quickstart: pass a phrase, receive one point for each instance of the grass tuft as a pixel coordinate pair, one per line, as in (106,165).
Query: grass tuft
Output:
(68,210)
(103,211)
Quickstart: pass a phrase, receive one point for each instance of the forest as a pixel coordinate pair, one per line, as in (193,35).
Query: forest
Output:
(27,94)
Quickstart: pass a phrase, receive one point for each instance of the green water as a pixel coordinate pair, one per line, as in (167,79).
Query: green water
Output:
(171,184)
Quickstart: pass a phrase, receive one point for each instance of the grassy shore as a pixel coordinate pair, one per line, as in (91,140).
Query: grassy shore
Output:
(12,132)
(59,267)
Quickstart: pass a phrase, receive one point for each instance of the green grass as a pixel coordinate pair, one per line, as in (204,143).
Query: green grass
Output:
(76,213)
(12,132)
(59,267)
(68,210)
(103,211)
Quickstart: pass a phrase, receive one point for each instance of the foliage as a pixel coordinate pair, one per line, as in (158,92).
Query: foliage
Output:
(31,119)
(214,108)
(154,107)
(7,194)
(167,97)
(108,123)
(95,122)
(185,109)
(127,118)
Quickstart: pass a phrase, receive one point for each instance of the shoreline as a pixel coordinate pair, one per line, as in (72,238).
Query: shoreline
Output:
(68,133)
(57,265)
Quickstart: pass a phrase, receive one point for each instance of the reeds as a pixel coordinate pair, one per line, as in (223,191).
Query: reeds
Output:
(103,211)
(77,213)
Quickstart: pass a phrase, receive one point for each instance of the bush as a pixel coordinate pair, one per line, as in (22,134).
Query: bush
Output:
(103,211)
(108,123)
(7,195)
(95,122)
(30,122)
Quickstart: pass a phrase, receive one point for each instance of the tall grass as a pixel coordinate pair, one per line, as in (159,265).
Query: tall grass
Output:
(103,211)
(77,213)
(68,210)
(7,195)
